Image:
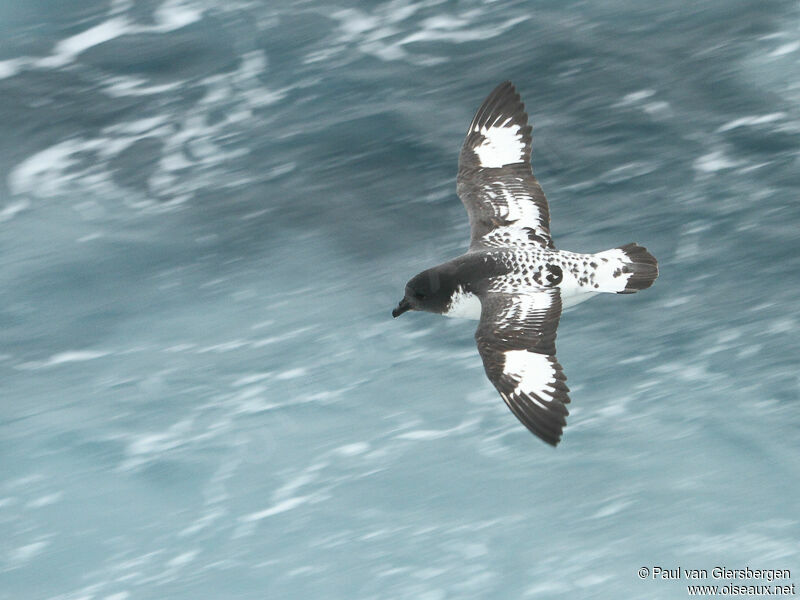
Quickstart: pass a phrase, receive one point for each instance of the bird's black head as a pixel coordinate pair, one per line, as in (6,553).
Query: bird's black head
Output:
(429,291)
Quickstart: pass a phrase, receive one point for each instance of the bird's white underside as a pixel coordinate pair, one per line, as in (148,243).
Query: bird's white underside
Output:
(503,145)
(568,300)
(464,305)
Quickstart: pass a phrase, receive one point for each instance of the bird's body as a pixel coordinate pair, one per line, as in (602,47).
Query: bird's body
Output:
(577,276)
(512,278)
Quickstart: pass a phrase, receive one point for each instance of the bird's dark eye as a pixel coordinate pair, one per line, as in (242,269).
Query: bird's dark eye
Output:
(419,295)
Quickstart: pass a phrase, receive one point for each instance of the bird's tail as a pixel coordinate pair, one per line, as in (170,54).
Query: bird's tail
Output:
(626,269)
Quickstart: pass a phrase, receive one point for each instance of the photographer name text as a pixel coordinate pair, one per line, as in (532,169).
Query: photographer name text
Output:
(658,572)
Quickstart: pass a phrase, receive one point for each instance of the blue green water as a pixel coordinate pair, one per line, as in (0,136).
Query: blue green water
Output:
(208,211)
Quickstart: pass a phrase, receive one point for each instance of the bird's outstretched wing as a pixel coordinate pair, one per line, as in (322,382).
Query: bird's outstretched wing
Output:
(516,340)
(505,203)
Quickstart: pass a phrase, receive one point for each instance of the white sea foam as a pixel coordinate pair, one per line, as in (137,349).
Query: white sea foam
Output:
(9,68)
(787,48)
(353,449)
(280,507)
(45,500)
(205,521)
(144,447)
(460,31)
(628,171)
(53,161)
(95,235)
(752,120)
(657,108)
(635,97)
(26,552)
(171,15)
(435,434)
(68,49)
(174,14)
(246,380)
(183,559)
(74,356)
(121,86)
(377,32)
(424,434)
(10,210)
(612,508)
(224,346)
(714,161)
(137,126)
(63,358)
(292,373)
(191,158)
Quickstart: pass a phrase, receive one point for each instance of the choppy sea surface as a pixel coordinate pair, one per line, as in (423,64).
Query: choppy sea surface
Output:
(208,211)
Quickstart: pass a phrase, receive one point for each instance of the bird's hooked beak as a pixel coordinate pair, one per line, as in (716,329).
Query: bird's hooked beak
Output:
(404,306)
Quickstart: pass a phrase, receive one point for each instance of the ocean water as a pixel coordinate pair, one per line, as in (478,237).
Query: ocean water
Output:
(208,211)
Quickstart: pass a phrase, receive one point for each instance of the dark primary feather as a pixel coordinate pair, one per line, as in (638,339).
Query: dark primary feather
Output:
(486,192)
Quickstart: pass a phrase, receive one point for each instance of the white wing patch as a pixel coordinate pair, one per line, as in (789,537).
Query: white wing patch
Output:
(534,373)
(464,305)
(503,145)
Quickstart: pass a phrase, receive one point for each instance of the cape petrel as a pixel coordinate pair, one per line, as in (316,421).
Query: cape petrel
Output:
(512,278)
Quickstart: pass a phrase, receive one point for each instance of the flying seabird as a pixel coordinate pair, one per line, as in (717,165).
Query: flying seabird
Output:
(512,278)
